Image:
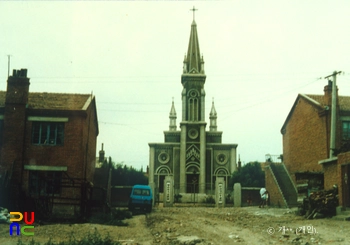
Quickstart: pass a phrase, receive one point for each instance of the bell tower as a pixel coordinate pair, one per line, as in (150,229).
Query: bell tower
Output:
(193,136)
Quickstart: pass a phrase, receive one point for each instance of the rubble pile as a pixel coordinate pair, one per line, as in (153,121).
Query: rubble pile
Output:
(4,215)
(320,204)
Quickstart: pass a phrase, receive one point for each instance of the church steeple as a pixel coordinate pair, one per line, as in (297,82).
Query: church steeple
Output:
(193,79)
(193,62)
(213,116)
(172,117)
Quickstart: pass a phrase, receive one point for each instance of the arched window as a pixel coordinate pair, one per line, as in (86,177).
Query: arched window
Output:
(193,105)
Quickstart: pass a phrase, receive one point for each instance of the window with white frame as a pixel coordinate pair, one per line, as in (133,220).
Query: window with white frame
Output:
(47,133)
(346,130)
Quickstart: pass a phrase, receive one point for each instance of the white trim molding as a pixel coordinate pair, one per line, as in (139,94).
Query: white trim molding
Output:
(45,168)
(48,119)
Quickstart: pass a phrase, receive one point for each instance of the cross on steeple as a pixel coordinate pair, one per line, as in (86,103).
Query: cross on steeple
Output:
(193,9)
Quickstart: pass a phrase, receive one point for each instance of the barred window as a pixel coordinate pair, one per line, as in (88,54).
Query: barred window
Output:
(45,182)
(47,133)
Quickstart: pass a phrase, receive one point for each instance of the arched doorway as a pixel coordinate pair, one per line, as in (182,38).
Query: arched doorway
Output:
(161,173)
(192,178)
(222,172)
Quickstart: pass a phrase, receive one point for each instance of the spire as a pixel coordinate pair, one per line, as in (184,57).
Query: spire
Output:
(213,116)
(172,117)
(193,63)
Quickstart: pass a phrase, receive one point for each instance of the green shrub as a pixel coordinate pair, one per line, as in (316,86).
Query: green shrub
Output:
(249,175)
(209,199)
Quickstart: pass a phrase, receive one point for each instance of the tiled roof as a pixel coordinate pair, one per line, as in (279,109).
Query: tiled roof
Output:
(55,101)
(344,101)
(318,100)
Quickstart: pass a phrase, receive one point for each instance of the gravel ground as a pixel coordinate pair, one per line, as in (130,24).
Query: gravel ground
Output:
(200,225)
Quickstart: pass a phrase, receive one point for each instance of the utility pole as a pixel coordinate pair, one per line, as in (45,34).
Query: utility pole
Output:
(333,113)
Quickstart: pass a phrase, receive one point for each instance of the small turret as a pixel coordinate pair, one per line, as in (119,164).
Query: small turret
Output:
(213,118)
(172,117)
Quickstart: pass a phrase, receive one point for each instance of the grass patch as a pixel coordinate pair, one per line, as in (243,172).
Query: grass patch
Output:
(94,238)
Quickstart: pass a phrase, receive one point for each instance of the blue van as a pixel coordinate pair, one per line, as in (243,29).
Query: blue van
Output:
(141,197)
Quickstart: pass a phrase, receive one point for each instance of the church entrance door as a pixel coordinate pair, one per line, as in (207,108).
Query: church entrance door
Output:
(192,183)
(161,183)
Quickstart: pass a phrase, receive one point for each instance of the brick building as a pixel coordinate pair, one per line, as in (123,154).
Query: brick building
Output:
(306,143)
(47,145)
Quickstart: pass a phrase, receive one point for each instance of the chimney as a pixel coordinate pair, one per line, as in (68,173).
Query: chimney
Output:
(328,93)
(101,157)
(17,88)
(14,134)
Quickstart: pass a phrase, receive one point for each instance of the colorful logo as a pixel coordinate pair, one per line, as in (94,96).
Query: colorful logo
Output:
(22,229)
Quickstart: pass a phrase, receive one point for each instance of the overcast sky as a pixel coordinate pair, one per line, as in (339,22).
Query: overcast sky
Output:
(258,56)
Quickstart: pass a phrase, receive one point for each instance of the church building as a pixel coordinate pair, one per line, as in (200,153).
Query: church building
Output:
(192,155)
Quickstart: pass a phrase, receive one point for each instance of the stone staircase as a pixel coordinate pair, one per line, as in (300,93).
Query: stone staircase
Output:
(285,183)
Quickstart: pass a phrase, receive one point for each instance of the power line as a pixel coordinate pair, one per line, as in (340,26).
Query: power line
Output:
(271,98)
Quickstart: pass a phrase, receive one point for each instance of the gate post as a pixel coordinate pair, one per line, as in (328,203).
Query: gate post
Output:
(237,195)
(168,196)
(220,192)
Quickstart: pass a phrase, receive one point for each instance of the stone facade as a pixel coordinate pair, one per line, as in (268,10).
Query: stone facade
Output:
(194,156)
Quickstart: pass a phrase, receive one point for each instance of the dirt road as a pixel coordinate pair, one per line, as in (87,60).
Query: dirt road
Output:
(198,225)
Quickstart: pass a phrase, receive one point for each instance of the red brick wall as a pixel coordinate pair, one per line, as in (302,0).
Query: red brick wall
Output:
(13,135)
(90,134)
(305,140)
(77,153)
(14,123)
(343,159)
(71,154)
(331,175)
